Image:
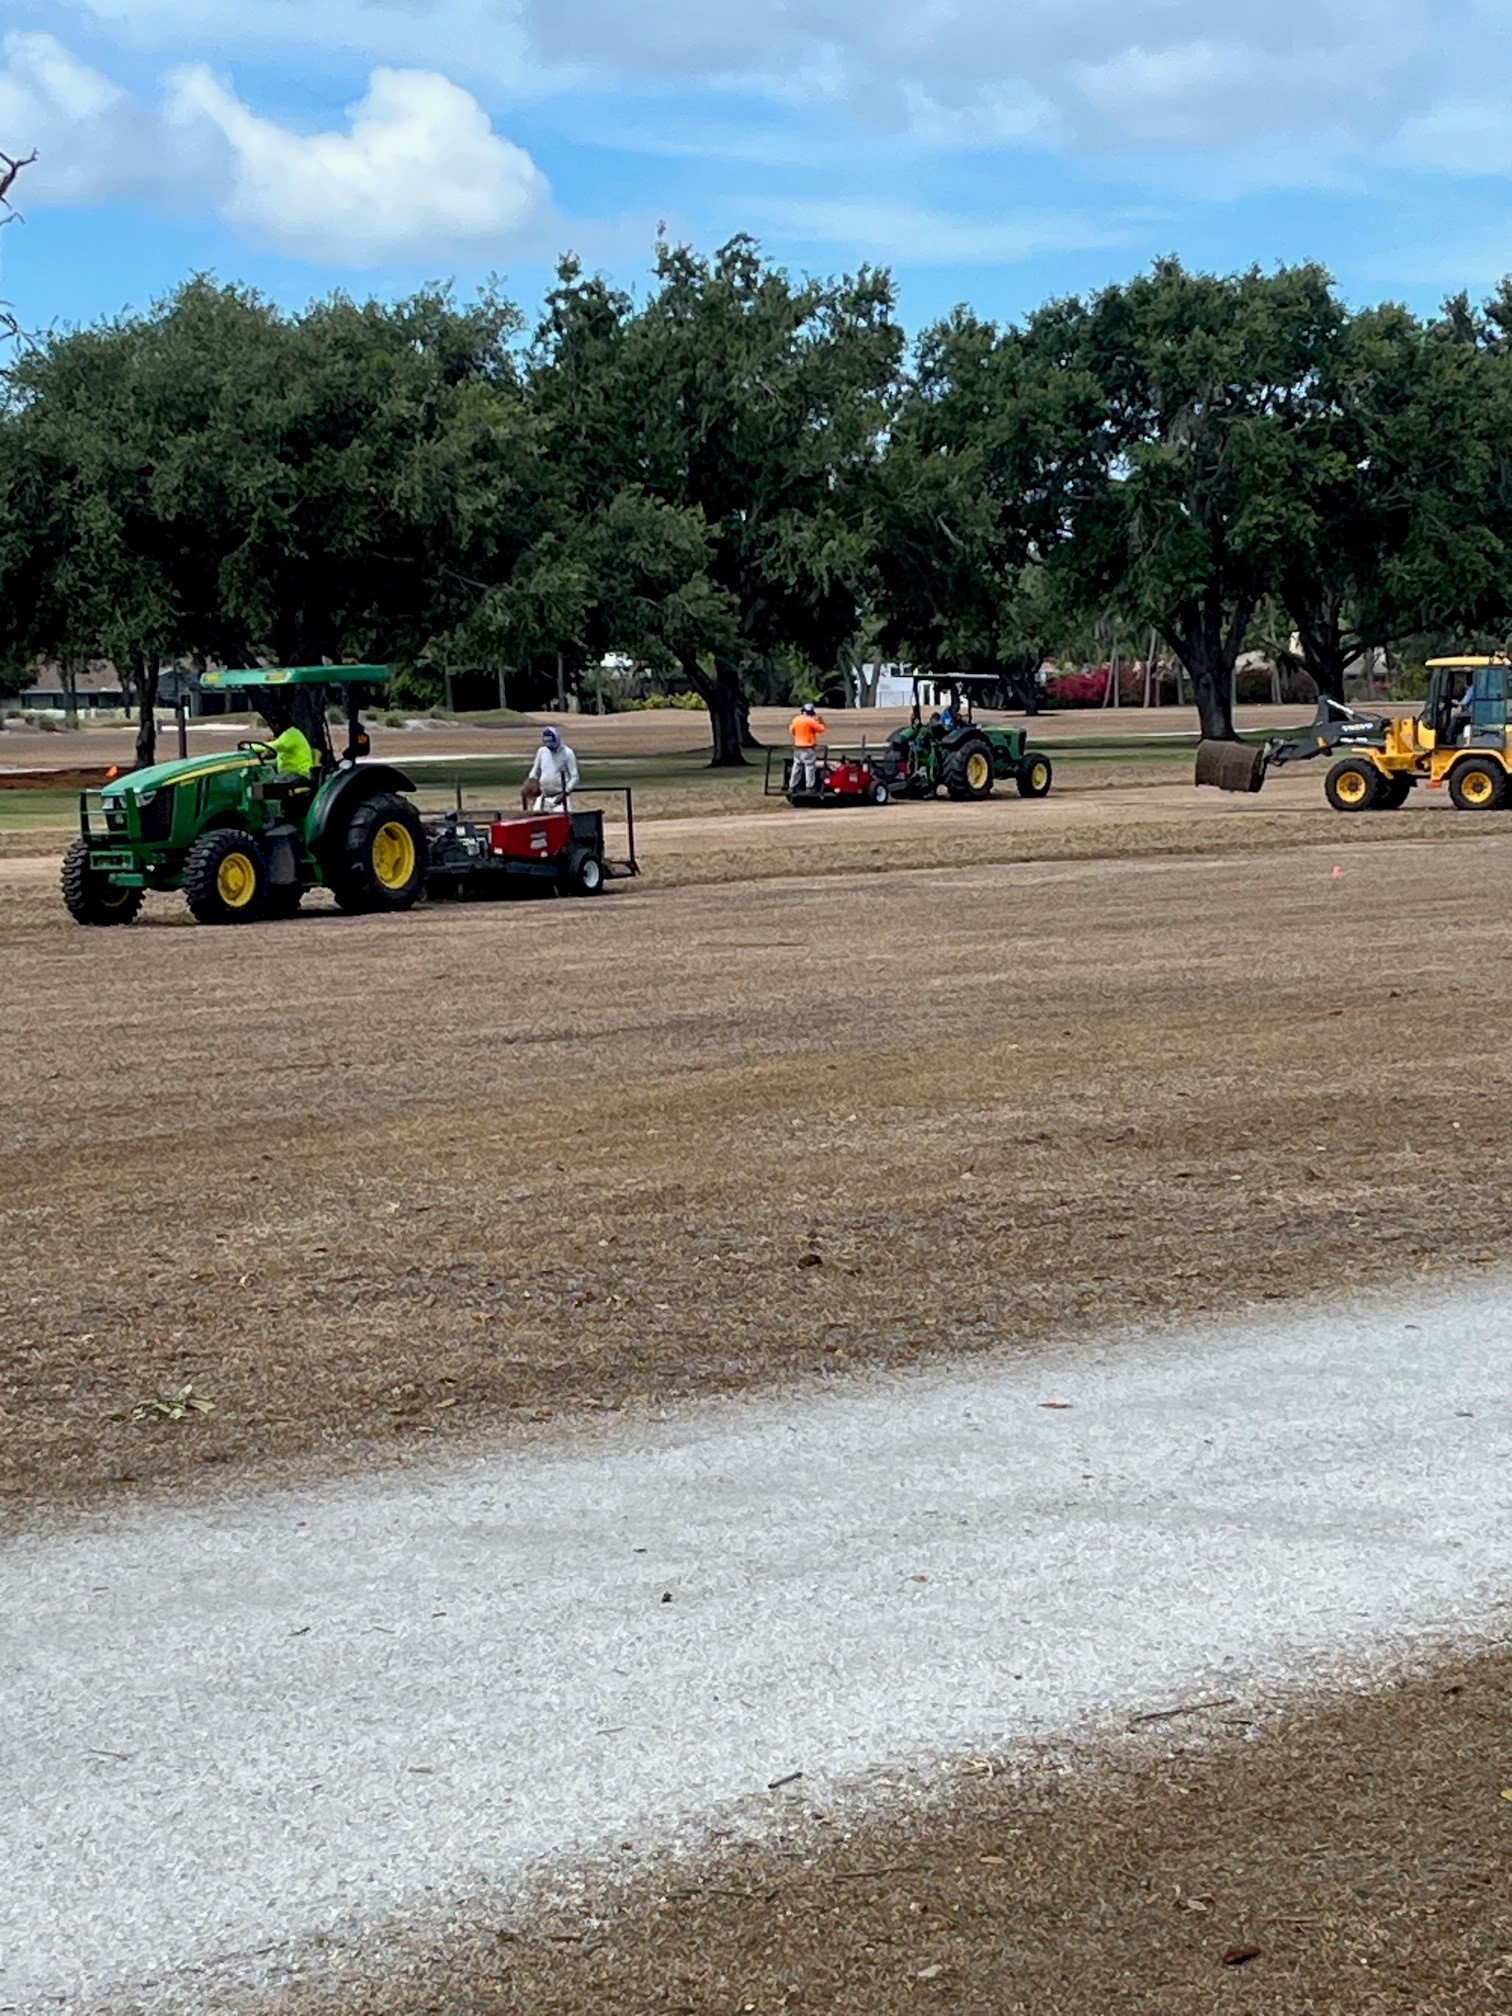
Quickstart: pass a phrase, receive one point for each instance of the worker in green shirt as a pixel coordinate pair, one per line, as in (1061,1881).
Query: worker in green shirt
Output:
(293,752)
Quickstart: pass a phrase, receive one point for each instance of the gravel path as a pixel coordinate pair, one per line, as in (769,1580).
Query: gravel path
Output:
(270,1717)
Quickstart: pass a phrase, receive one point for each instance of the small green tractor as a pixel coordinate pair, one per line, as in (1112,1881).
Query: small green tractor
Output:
(240,839)
(953,749)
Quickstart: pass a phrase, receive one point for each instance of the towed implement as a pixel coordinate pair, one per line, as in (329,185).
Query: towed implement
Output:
(1461,740)
(245,841)
(841,777)
(485,855)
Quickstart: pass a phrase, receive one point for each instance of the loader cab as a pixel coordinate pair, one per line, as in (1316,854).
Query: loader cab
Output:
(1466,707)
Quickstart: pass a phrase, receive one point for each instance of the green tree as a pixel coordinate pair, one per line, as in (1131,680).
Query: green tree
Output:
(90,575)
(751,405)
(960,583)
(1157,426)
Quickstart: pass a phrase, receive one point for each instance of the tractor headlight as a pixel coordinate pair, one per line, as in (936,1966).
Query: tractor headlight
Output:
(145,797)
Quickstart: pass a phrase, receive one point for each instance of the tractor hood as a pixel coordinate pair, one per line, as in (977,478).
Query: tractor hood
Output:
(184,770)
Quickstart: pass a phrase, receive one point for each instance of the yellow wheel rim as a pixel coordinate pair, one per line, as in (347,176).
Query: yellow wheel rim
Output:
(1038,776)
(1352,787)
(978,770)
(236,881)
(1478,787)
(393,855)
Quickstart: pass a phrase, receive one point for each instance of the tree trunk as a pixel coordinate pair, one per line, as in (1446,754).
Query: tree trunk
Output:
(725,700)
(68,672)
(146,695)
(1207,637)
(743,708)
(1326,656)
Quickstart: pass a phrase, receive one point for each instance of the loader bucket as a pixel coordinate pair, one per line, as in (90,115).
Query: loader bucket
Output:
(1231,766)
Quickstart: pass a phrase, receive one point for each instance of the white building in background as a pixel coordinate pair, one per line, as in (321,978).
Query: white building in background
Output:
(891,686)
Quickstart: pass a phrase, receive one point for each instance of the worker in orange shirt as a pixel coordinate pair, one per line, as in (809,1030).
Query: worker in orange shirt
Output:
(805,729)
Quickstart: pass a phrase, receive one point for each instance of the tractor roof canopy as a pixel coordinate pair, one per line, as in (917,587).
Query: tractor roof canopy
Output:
(296,675)
(1465,664)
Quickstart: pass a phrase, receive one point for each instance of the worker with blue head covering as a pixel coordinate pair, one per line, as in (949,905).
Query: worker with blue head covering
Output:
(554,774)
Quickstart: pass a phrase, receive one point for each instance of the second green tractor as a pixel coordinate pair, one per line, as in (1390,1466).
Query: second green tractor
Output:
(950,750)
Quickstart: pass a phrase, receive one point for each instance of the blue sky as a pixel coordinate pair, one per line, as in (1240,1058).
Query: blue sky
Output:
(996,151)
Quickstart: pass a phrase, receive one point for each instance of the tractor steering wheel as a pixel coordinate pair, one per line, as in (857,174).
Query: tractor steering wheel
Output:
(257,748)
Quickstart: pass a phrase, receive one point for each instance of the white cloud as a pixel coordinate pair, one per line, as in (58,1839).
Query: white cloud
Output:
(418,173)
(95,142)
(1267,86)
(419,170)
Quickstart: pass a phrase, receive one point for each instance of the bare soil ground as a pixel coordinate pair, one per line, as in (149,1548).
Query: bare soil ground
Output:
(370,1183)
(926,1083)
(1349,1859)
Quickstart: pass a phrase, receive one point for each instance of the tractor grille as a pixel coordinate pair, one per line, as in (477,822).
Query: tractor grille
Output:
(157,818)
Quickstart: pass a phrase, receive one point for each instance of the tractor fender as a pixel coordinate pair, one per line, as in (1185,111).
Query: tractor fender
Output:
(340,796)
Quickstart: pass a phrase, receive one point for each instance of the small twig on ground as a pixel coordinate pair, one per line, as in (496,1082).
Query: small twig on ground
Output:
(1185,1708)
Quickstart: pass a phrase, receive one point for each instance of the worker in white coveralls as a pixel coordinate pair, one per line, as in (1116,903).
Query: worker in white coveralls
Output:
(554,775)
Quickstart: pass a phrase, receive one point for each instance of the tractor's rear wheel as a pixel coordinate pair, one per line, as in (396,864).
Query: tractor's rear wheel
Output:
(92,898)
(226,878)
(582,873)
(1354,785)
(1033,776)
(1477,784)
(967,769)
(381,858)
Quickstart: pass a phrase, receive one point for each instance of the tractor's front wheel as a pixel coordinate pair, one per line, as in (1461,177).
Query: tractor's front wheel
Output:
(381,858)
(1033,776)
(968,769)
(91,898)
(1477,784)
(1354,785)
(226,878)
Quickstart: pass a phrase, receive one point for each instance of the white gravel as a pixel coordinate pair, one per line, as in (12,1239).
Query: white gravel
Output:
(229,1725)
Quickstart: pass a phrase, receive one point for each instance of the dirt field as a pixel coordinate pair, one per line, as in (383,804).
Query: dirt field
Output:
(823,1091)
(1349,1860)
(369,1183)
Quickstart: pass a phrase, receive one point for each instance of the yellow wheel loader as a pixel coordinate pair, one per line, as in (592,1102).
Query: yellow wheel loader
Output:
(1461,739)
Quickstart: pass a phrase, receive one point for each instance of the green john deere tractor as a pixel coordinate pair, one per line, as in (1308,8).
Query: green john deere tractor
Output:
(240,839)
(953,749)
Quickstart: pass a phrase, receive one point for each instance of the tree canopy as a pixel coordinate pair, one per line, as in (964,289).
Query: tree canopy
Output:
(743,478)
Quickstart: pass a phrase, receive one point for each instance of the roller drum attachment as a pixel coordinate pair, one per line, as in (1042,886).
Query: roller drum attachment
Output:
(1232,766)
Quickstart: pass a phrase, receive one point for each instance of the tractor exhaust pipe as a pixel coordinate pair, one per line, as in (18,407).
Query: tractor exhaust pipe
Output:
(1232,766)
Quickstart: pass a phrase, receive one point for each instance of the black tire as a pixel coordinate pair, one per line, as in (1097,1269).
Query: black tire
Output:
(582,873)
(284,899)
(226,878)
(1398,790)
(1033,776)
(1355,785)
(379,862)
(1478,784)
(967,769)
(90,898)
(877,793)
